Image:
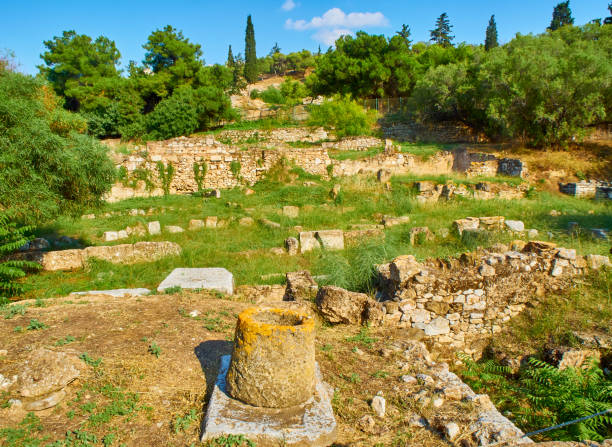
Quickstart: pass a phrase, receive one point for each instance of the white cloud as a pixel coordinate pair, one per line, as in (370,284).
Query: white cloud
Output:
(336,18)
(329,36)
(335,23)
(288,5)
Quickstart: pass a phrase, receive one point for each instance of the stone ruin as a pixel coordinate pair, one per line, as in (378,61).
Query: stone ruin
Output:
(271,390)
(588,189)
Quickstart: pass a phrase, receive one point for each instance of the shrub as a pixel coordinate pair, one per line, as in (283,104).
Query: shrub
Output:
(272,95)
(345,116)
(174,116)
(199,173)
(47,165)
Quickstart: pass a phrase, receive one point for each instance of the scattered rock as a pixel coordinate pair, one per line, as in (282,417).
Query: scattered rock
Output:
(48,402)
(341,306)
(486,270)
(596,262)
(469,223)
(249,192)
(300,286)
(46,371)
(335,192)
(391,221)
(379,405)
(292,246)
(196,224)
(246,221)
(174,229)
(404,268)
(211,222)
(110,236)
(270,224)
(417,233)
(367,424)
(516,226)
(451,430)
(533,233)
(154,228)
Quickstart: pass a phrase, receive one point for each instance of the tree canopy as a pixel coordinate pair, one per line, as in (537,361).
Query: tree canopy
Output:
(250,53)
(491,37)
(441,34)
(562,15)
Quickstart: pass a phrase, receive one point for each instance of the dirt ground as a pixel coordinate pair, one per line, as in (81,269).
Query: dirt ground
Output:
(119,331)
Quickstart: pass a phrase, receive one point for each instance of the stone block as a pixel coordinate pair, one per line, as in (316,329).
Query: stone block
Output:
(404,268)
(300,286)
(310,424)
(196,224)
(331,239)
(390,221)
(308,241)
(153,228)
(62,260)
(596,262)
(491,223)
(292,246)
(110,236)
(211,222)
(246,221)
(516,226)
(215,278)
(469,223)
(341,306)
(173,229)
(291,211)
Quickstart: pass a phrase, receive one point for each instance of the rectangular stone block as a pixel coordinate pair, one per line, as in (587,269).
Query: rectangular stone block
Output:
(311,424)
(154,228)
(331,239)
(215,278)
(308,241)
(62,260)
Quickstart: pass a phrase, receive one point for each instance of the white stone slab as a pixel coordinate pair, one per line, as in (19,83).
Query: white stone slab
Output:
(214,278)
(311,424)
(117,293)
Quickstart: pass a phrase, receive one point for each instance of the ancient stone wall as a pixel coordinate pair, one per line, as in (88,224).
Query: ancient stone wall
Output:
(432,133)
(275,136)
(587,189)
(354,143)
(476,164)
(460,302)
(399,163)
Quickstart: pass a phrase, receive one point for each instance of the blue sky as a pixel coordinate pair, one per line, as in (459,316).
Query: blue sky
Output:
(294,24)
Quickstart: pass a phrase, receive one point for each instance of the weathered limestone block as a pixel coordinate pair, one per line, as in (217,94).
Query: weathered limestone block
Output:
(404,268)
(300,287)
(154,228)
(596,262)
(342,306)
(516,226)
(109,236)
(420,232)
(196,224)
(46,371)
(211,222)
(152,251)
(292,245)
(308,241)
(391,221)
(115,254)
(214,278)
(116,293)
(63,260)
(469,223)
(173,229)
(492,223)
(331,239)
(273,361)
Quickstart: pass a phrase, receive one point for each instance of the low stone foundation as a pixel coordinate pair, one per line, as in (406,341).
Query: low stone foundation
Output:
(117,254)
(459,302)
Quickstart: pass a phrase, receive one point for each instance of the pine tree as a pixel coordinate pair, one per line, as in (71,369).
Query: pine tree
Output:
(441,35)
(491,38)
(404,33)
(608,20)
(250,55)
(275,49)
(230,58)
(562,15)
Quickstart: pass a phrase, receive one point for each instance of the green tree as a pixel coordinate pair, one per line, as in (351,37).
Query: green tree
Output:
(344,116)
(47,165)
(562,15)
(441,34)
(250,54)
(230,58)
(75,65)
(404,33)
(608,20)
(170,53)
(491,37)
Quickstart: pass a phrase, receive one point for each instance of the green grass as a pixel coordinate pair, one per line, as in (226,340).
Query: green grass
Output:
(262,124)
(425,150)
(364,200)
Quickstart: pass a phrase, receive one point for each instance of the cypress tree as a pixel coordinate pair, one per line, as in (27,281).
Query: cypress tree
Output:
(442,33)
(491,38)
(562,15)
(230,58)
(250,55)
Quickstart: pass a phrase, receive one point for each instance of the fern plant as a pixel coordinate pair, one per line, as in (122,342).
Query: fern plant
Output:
(542,395)
(560,395)
(199,173)
(165,173)
(12,237)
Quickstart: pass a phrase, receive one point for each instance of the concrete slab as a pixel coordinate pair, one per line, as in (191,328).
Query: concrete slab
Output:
(118,293)
(310,424)
(214,278)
